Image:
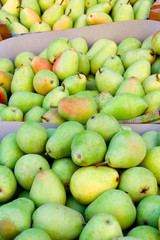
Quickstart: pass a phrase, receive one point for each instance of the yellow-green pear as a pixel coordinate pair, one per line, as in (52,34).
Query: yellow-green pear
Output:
(81,21)
(76,7)
(117,5)
(64,22)
(45,4)
(114,63)
(80,44)
(17,28)
(52,116)
(147,42)
(143,231)
(128,44)
(34,4)
(143,10)
(151,139)
(101,7)
(152,100)
(124,13)
(64,3)
(28,16)
(98,18)
(40,27)
(152,83)
(7,17)
(12,6)
(90,3)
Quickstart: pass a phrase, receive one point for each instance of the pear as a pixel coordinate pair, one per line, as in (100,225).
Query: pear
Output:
(145,210)
(96,47)
(39,64)
(81,21)
(98,18)
(27,167)
(140,69)
(101,7)
(24,194)
(3,96)
(64,22)
(116,6)
(82,148)
(97,178)
(25,100)
(7,17)
(114,63)
(15,217)
(52,116)
(11,6)
(155,66)
(33,234)
(47,187)
(66,64)
(91,82)
(104,124)
(155,42)
(126,149)
(112,2)
(79,44)
(90,3)
(124,8)
(57,47)
(8,185)
(128,44)
(83,64)
(44,81)
(102,98)
(40,27)
(76,7)
(56,219)
(99,58)
(75,83)
(87,93)
(108,80)
(145,232)
(44,54)
(55,147)
(34,114)
(72,203)
(102,226)
(134,54)
(31,137)
(110,202)
(52,14)
(45,4)
(152,99)
(143,10)
(53,98)
(31,4)
(5,80)
(22,79)
(6,65)
(147,42)
(50,131)
(152,83)
(23,57)
(28,16)
(64,3)
(77,108)
(138,182)
(17,28)
(131,85)
(2,106)
(151,139)
(12,114)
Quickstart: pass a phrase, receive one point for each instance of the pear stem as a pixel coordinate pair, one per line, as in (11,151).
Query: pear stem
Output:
(70,10)
(44,118)
(102,164)
(79,75)
(158,78)
(51,106)
(61,2)
(1,84)
(8,19)
(100,70)
(63,89)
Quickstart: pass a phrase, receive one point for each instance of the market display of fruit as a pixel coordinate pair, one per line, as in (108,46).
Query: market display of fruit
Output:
(45,15)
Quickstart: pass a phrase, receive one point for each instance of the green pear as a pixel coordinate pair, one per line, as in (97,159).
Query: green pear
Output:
(11,6)
(124,8)
(79,44)
(66,64)
(138,182)
(131,85)
(90,3)
(40,27)
(77,108)
(64,22)
(128,44)
(112,2)
(60,147)
(147,42)
(143,10)
(155,42)
(116,6)
(50,131)
(44,81)
(145,232)
(134,54)
(102,98)
(25,100)
(83,145)
(27,167)
(108,80)
(34,114)
(53,98)
(52,14)
(77,8)
(6,65)
(91,82)
(98,59)
(151,161)
(5,80)
(81,21)
(31,137)
(101,226)
(118,108)
(64,3)
(83,64)
(155,66)
(7,18)
(15,217)
(56,219)
(8,185)
(126,149)
(73,204)
(97,178)
(151,83)
(104,124)
(151,139)
(101,7)
(96,47)
(31,4)
(33,234)
(57,47)
(47,187)
(17,28)
(140,69)
(52,116)
(23,57)
(12,114)
(9,151)
(2,106)
(64,168)
(148,211)
(87,93)
(45,4)
(114,63)
(112,201)
(22,79)
(75,83)
(28,16)
(152,99)
(44,54)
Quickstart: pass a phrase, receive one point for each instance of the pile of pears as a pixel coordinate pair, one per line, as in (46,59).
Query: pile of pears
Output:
(71,80)
(23,16)
(71,182)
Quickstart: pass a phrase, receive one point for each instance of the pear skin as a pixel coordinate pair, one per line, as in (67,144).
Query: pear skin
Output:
(81,21)
(114,63)
(90,3)
(40,27)
(152,83)
(28,16)
(120,16)
(6,65)
(84,65)
(101,7)
(12,114)
(64,22)
(23,57)
(7,17)
(98,18)
(3,96)
(76,7)
(52,116)
(11,6)
(128,44)
(143,10)
(17,28)
(152,99)
(141,231)
(45,4)
(63,3)
(39,64)
(155,42)
(31,4)
(79,44)
(102,98)
(34,114)
(33,234)
(147,42)
(155,66)
(151,139)
(5,80)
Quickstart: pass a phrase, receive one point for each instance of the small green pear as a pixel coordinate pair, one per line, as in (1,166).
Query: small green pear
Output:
(90,3)
(124,8)
(145,232)
(79,44)
(44,54)
(7,17)
(45,4)
(73,204)
(31,4)
(6,65)
(143,10)
(77,8)
(83,65)
(81,21)
(101,7)
(23,57)
(147,42)
(114,63)
(52,116)
(40,26)
(33,234)
(128,44)
(151,139)
(11,6)
(116,6)
(12,114)
(98,45)
(152,99)
(52,14)
(151,83)
(87,93)
(34,114)
(75,83)
(17,28)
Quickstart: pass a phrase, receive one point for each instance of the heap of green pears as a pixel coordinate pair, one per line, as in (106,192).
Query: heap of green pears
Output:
(99,182)
(23,16)
(71,81)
